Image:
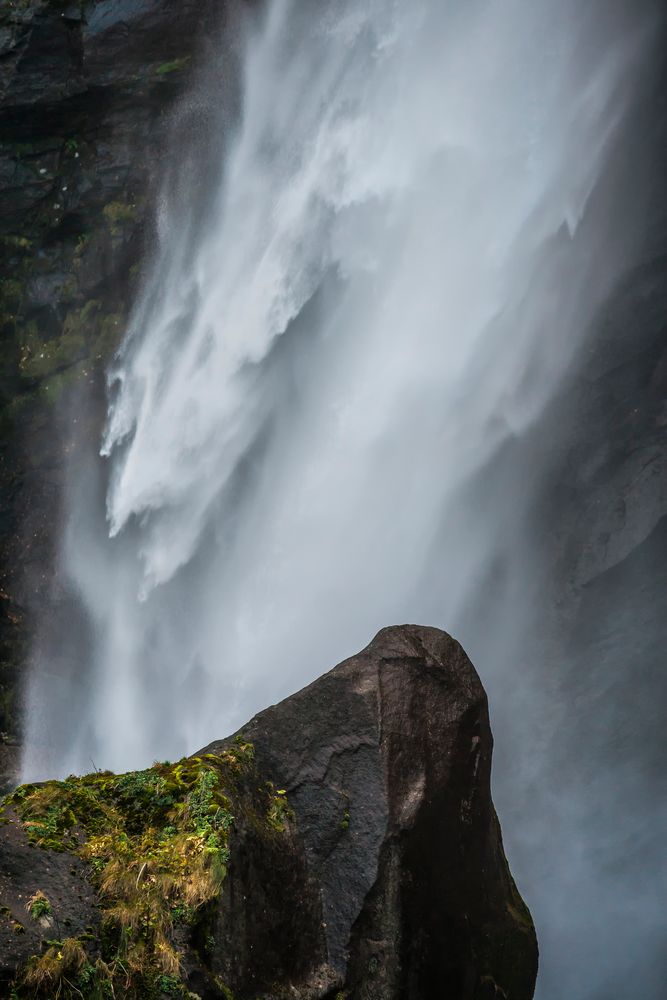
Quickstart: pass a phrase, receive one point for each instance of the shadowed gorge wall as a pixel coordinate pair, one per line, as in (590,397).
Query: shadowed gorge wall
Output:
(86,90)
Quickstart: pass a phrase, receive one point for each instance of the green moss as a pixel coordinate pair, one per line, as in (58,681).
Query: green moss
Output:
(224,989)
(15,925)
(157,842)
(172,67)
(60,964)
(13,242)
(52,388)
(280,812)
(48,357)
(117,215)
(81,244)
(89,335)
(182,914)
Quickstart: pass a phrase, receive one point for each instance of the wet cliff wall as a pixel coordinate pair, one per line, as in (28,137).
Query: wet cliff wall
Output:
(89,99)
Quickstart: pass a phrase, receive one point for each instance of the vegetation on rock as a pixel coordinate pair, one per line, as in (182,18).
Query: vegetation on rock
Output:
(117,214)
(158,845)
(38,905)
(174,66)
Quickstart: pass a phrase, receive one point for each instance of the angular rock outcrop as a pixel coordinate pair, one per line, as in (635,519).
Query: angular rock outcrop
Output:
(353,826)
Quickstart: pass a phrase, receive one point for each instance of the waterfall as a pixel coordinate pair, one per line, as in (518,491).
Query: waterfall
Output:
(312,417)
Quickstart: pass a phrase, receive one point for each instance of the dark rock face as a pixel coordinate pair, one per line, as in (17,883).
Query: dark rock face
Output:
(87,91)
(62,879)
(383,878)
(386,761)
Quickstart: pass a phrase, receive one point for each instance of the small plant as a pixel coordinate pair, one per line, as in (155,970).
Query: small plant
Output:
(345,822)
(170,985)
(60,963)
(16,242)
(280,812)
(81,244)
(172,67)
(6,914)
(182,914)
(38,906)
(224,989)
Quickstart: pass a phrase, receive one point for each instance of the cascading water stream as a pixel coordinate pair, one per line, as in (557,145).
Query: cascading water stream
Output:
(393,274)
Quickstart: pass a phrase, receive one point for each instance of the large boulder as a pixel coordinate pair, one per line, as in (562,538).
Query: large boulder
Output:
(386,761)
(364,859)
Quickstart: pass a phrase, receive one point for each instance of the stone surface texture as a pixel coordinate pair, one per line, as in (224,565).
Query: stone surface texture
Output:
(386,761)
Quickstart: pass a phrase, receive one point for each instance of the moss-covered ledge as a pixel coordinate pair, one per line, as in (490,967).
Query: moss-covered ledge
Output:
(157,844)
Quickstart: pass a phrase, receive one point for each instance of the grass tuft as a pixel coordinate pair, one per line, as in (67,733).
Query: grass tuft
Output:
(157,842)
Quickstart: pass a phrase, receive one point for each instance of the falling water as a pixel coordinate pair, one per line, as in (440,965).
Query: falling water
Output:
(396,265)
